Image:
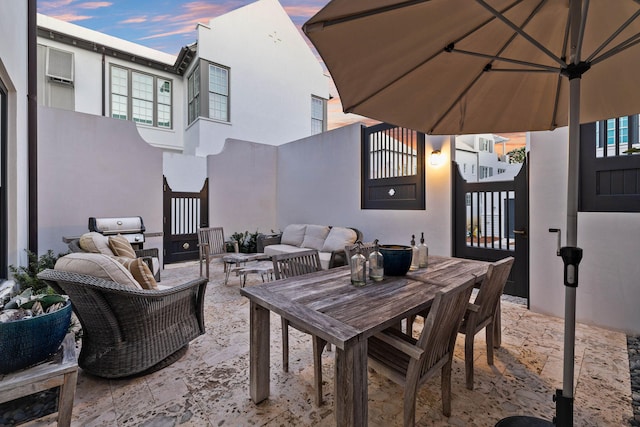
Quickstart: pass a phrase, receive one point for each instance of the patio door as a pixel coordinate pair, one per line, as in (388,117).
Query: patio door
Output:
(3,182)
(491,221)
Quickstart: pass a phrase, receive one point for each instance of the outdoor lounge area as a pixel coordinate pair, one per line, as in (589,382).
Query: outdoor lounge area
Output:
(210,384)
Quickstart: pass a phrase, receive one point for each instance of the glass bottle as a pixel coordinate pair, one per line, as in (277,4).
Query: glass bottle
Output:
(376,263)
(358,267)
(414,254)
(423,250)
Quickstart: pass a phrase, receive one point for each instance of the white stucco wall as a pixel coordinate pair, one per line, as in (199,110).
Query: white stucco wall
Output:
(272,73)
(94,166)
(608,291)
(13,73)
(319,182)
(242,187)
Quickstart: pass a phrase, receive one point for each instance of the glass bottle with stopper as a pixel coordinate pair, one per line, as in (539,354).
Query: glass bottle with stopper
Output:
(423,251)
(358,267)
(376,263)
(415,263)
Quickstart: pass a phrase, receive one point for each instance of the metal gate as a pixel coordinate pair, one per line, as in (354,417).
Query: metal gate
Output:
(491,221)
(184,213)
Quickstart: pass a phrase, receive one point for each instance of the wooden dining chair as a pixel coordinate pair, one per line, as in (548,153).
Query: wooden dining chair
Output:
(211,243)
(290,265)
(410,362)
(483,312)
(365,249)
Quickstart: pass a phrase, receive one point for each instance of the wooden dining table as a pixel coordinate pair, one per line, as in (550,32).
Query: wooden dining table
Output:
(326,304)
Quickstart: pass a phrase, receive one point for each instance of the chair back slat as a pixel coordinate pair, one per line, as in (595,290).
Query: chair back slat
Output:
(441,325)
(213,239)
(492,288)
(295,264)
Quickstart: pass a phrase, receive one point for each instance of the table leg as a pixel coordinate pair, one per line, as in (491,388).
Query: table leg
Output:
(497,327)
(350,388)
(259,349)
(65,399)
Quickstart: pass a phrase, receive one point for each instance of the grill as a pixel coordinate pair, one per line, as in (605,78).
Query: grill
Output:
(132,228)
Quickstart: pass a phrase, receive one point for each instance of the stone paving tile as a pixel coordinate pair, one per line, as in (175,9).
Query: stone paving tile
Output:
(209,386)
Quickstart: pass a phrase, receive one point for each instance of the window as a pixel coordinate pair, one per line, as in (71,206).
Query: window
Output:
(484,172)
(501,170)
(218,93)
(393,168)
(318,113)
(464,167)
(193,94)
(142,98)
(615,136)
(486,145)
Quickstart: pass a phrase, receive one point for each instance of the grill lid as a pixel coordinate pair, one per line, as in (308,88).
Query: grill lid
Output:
(118,225)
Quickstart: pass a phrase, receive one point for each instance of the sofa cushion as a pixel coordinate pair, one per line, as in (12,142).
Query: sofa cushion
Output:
(325,257)
(97,265)
(140,271)
(293,234)
(282,249)
(120,246)
(314,236)
(338,238)
(96,243)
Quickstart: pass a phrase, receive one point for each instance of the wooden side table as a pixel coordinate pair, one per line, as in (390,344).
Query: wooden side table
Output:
(62,372)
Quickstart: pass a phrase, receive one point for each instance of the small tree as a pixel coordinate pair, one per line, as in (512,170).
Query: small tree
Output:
(25,277)
(517,155)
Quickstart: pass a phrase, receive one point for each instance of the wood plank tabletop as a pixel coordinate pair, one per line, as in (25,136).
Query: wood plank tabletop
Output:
(327,305)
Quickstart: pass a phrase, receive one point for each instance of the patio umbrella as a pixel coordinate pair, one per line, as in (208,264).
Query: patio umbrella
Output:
(463,66)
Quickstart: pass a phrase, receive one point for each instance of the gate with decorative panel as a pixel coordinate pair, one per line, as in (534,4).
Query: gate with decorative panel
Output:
(184,213)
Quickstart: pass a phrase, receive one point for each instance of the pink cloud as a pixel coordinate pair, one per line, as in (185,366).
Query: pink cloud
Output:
(301,10)
(135,20)
(94,4)
(71,17)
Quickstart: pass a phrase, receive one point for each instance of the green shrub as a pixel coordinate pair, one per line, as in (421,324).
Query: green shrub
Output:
(25,277)
(247,242)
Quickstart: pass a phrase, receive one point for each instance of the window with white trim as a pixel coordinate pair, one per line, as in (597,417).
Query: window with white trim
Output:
(193,94)
(485,172)
(486,145)
(318,115)
(140,97)
(218,92)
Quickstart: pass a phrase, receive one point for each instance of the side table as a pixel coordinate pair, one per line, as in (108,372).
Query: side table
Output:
(237,259)
(62,372)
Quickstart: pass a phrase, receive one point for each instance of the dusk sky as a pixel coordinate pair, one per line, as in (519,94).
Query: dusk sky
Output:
(168,25)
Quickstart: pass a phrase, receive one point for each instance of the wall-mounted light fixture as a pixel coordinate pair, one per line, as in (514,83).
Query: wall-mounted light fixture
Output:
(436,158)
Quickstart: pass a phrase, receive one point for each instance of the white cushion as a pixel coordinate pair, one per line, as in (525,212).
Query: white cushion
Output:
(282,249)
(325,257)
(97,265)
(293,234)
(96,243)
(338,238)
(314,236)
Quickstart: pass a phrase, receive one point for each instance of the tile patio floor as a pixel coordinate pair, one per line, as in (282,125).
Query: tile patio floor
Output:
(209,385)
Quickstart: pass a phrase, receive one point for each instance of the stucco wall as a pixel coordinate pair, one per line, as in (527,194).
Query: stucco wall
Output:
(608,291)
(13,66)
(242,187)
(94,166)
(319,182)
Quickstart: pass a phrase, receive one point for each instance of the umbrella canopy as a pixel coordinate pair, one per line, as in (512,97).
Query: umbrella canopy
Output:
(461,66)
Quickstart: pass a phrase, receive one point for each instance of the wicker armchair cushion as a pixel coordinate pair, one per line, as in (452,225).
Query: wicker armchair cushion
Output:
(140,271)
(95,243)
(338,238)
(121,247)
(97,265)
(293,234)
(314,236)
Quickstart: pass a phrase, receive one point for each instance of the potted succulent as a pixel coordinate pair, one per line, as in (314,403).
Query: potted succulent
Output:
(34,321)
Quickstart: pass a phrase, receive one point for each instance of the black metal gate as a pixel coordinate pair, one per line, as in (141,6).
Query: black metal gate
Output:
(184,213)
(491,221)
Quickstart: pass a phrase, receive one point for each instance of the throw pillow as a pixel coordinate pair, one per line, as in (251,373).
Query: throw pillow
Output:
(97,265)
(140,271)
(96,243)
(121,246)
(314,236)
(293,234)
(338,238)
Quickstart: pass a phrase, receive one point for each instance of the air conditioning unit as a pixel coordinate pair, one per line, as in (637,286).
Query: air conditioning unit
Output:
(59,66)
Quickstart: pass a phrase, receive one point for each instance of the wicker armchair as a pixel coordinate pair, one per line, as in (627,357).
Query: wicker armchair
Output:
(131,332)
(147,255)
